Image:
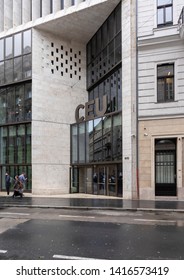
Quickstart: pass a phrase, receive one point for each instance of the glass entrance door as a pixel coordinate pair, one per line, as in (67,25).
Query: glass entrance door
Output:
(165,167)
(112,180)
(99,180)
(107,180)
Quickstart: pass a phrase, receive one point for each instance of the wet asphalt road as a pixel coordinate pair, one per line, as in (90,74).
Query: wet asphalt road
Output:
(72,202)
(38,234)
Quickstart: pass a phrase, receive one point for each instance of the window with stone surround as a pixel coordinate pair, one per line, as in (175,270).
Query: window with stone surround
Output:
(164,12)
(165,83)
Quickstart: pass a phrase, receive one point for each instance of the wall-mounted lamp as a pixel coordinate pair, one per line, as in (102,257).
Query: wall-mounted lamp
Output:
(145,134)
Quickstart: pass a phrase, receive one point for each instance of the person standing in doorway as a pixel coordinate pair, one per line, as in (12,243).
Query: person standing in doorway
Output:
(8,182)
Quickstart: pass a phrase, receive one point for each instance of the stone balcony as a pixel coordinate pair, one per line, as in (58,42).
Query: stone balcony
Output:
(181,24)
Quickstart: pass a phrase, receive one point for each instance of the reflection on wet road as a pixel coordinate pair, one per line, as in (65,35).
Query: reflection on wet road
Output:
(28,233)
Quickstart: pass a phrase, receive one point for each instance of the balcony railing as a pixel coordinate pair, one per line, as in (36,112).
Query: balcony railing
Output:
(181,23)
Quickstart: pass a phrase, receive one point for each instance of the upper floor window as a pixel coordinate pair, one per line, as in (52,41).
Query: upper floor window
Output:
(165,82)
(104,48)
(62,4)
(51,6)
(164,12)
(15,58)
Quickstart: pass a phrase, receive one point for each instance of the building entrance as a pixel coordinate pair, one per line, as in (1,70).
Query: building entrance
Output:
(99,180)
(165,167)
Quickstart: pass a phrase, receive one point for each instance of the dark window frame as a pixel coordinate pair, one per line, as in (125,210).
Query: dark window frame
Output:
(164,8)
(164,78)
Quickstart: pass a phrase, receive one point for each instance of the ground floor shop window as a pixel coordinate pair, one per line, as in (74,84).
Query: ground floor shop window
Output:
(14,170)
(15,152)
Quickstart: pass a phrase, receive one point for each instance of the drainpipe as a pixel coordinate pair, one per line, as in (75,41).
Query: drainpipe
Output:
(137,104)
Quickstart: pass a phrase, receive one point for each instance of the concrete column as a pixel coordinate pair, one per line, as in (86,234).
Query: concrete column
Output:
(56,5)
(67,3)
(35,9)
(8,14)
(1,15)
(17,12)
(129,99)
(26,11)
(45,7)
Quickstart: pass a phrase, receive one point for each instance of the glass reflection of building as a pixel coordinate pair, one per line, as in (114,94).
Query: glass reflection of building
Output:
(15,105)
(96,144)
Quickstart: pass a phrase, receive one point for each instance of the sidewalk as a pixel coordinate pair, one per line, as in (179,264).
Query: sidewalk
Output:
(88,202)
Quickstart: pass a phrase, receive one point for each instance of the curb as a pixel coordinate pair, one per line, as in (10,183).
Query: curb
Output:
(95,208)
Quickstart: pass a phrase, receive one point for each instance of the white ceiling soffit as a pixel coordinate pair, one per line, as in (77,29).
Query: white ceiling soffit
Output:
(78,23)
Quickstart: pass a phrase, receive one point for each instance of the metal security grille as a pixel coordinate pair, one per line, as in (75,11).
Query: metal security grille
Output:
(165,168)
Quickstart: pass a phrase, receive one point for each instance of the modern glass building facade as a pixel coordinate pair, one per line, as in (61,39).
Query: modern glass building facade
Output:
(15,105)
(96,142)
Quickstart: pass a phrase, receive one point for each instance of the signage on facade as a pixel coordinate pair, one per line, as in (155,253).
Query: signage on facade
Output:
(92,109)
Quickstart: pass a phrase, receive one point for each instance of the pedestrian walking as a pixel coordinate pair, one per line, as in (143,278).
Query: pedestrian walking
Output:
(18,187)
(7,182)
(22,178)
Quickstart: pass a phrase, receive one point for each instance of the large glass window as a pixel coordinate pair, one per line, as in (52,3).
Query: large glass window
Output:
(15,103)
(97,140)
(27,67)
(81,143)
(28,101)
(107,138)
(3,105)
(110,87)
(1,49)
(1,72)
(21,143)
(15,58)
(74,142)
(28,143)
(19,103)
(27,41)
(9,71)
(104,49)
(15,143)
(10,105)
(165,83)
(164,12)
(89,141)
(18,44)
(8,47)
(18,68)
(12,144)
(4,144)
(117,137)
